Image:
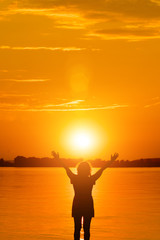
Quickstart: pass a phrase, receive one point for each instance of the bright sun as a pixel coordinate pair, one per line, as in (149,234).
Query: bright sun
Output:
(83,139)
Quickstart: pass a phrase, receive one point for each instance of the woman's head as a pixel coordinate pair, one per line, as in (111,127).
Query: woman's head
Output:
(84,169)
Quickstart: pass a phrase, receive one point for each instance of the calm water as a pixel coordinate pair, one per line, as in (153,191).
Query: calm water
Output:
(35,203)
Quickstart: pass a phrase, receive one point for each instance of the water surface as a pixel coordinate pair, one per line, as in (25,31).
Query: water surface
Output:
(35,203)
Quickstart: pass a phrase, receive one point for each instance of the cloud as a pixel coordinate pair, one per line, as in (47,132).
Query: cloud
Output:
(136,8)
(13,95)
(155,101)
(87,108)
(151,105)
(66,104)
(67,17)
(155,98)
(78,9)
(128,32)
(11,100)
(103,19)
(25,80)
(57,12)
(156,1)
(63,49)
(69,106)
(13,107)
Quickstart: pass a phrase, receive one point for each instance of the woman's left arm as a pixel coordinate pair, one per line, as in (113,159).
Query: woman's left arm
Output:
(100,171)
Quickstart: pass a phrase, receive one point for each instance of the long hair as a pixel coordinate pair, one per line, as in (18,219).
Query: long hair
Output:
(84,169)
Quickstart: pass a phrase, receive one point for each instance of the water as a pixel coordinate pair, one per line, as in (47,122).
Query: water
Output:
(35,203)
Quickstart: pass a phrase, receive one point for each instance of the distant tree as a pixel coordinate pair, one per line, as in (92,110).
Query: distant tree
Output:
(19,161)
(2,162)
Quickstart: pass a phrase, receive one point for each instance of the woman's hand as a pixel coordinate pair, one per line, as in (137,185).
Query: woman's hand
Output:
(114,157)
(55,155)
(62,163)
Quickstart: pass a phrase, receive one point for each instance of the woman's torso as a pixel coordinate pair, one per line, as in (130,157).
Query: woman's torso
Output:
(83,201)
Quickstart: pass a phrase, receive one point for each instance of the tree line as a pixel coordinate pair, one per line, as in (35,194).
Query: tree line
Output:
(21,161)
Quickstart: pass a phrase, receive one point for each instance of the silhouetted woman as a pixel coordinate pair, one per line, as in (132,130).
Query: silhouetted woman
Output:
(83,183)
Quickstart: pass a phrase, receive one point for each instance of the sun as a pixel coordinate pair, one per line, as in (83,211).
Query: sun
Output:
(81,139)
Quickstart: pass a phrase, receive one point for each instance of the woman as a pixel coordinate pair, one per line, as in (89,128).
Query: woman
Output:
(83,183)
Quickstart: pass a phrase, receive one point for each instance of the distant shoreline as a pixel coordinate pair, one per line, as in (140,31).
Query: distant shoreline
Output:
(74,167)
(21,161)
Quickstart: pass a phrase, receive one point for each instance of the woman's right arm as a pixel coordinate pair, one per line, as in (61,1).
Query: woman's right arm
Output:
(100,171)
(70,174)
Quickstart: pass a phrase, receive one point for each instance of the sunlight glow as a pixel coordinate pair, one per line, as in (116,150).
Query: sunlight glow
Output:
(83,139)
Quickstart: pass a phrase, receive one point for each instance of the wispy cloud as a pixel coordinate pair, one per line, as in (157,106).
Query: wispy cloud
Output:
(64,49)
(152,105)
(13,95)
(25,80)
(13,70)
(62,107)
(155,98)
(156,1)
(77,109)
(135,31)
(155,101)
(13,107)
(67,17)
(60,11)
(105,19)
(66,104)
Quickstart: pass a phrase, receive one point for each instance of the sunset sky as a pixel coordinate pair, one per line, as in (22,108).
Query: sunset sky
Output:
(80,65)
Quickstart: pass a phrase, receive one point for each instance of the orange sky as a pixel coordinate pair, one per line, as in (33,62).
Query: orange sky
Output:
(80,63)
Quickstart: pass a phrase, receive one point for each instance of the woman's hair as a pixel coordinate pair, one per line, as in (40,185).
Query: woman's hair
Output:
(84,168)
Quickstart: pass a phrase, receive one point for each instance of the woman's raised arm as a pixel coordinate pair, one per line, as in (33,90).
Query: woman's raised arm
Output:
(100,171)
(70,174)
